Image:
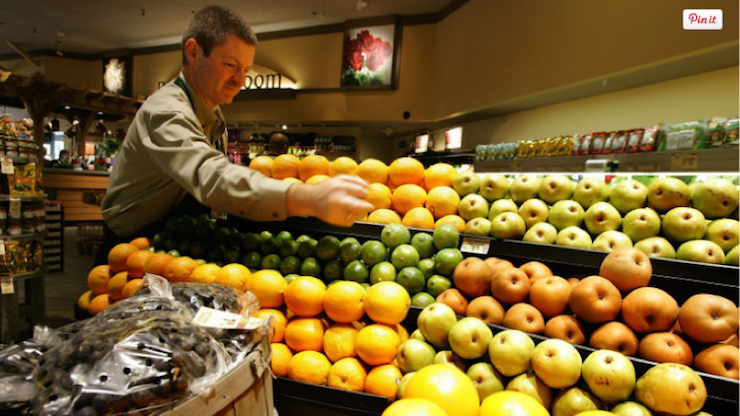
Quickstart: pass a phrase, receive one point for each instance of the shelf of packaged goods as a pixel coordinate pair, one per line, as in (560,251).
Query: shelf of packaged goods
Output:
(28,275)
(4,198)
(23,237)
(297,398)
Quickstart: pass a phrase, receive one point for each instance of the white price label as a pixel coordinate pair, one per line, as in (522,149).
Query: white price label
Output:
(7,166)
(2,247)
(684,162)
(212,318)
(475,245)
(219,215)
(6,286)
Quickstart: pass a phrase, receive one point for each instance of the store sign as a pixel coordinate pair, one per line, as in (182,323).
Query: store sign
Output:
(702,19)
(261,78)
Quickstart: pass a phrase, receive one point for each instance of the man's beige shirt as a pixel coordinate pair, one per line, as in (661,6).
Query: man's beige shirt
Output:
(170,151)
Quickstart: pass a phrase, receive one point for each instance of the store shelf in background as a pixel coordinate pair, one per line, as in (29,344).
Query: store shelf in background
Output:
(295,398)
(723,159)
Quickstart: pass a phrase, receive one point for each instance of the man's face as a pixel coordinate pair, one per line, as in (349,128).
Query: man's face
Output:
(221,75)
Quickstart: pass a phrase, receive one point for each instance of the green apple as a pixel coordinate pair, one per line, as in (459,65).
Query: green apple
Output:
(435,322)
(416,334)
(671,388)
(466,182)
(610,375)
(529,384)
(413,354)
(478,226)
(469,338)
(656,247)
(534,211)
(610,240)
(573,401)
(683,224)
(473,206)
(591,190)
(573,237)
(631,409)
(437,284)
(508,225)
(486,379)
(557,363)
(601,217)
(524,187)
(731,259)
(501,205)
(703,251)
(493,186)
(565,214)
(449,357)
(665,194)
(723,232)
(542,232)
(715,198)
(628,195)
(510,351)
(402,384)
(555,188)
(641,223)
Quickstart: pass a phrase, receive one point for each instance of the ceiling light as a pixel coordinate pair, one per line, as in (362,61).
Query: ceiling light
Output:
(361,5)
(285,127)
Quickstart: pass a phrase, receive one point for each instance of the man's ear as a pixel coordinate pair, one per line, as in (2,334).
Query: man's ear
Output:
(192,50)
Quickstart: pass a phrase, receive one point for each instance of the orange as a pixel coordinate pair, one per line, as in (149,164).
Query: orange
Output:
(448,387)
(383,381)
(205,273)
(180,269)
(261,164)
(268,286)
(293,180)
(379,195)
(305,296)
(343,301)
(136,261)
(417,407)
(419,217)
(285,166)
(439,174)
(132,287)
(384,216)
(309,367)
(442,201)
(347,374)
(97,279)
(116,284)
(509,402)
(118,255)
(408,196)
(387,303)
(313,165)
(157,263)
(234,275)
(373,171)
(457,221)
(84,300)
(316,179)
(303,334)
(343,165)
(99,303)
(406,170)
(402,332)
(376,344)
(281,356)
(141,242)
(279,323)
(339,341)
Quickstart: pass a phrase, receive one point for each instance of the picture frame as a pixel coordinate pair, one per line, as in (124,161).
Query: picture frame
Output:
(117,74)
(371,54)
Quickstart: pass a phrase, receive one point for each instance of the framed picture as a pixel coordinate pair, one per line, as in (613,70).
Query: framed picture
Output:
(371,54)
(117,75)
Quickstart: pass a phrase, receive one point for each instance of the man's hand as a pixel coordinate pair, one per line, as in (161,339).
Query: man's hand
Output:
(338,201)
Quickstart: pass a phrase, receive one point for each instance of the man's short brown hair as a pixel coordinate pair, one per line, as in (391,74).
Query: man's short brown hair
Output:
(210,26)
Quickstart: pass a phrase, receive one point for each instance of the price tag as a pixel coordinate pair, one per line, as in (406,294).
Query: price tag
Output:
(219,215)
(2,247)
(684,162)
(516,166)
(212,318)
(6,286)
(475,245)
(14,208)
(7,166)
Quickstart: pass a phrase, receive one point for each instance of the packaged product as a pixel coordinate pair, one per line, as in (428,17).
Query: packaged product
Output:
(597,143)
(609,142)
(633,140)
(551,146)
(577,141)
(649,139)
(731,131)
(23,180)
(716,132)
(586,145)
(685,136)
(565,146)
(521,149)
(620,142)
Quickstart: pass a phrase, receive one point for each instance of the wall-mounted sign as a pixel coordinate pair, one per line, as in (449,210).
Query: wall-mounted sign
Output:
(422,143)
(261,78)
(453,138)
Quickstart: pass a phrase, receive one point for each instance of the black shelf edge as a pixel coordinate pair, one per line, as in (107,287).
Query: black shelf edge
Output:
(343,401)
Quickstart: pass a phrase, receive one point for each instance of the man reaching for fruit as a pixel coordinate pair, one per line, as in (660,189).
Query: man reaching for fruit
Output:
(172,160)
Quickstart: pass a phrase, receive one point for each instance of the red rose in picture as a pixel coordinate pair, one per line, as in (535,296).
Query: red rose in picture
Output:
(367,40)
(354,45)
(355,60)
(385,49)
(375,61)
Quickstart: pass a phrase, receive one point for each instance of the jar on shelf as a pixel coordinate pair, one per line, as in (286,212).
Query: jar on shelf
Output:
(11,147)
(14,227)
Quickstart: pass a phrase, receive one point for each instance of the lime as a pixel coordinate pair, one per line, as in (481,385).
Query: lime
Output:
(348,240)
(270,246)
(382,272)
(365,285)
(373,252)
(264,235)
(251,242)
(174,253)
(311,267)
(349,250)
(446,236)
(307,248)
(235,238)
(284,235)
(394,235)
(221,234)
(288,248)
(271,261)
(170,244)
(160,238)
(232,256)
(289,278)
(253,260)
(333,270)
(186,225)
(204,230)
(356,271)
(412,279)
(438,284)
(200,261)
(327,248)
(405,255)
(184,247)
(446,260)
(290,265)
(150,248)
(422,299)
(427,267)
(424,244)
(198,248)
(302,238)
(172,224)
(216,253)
